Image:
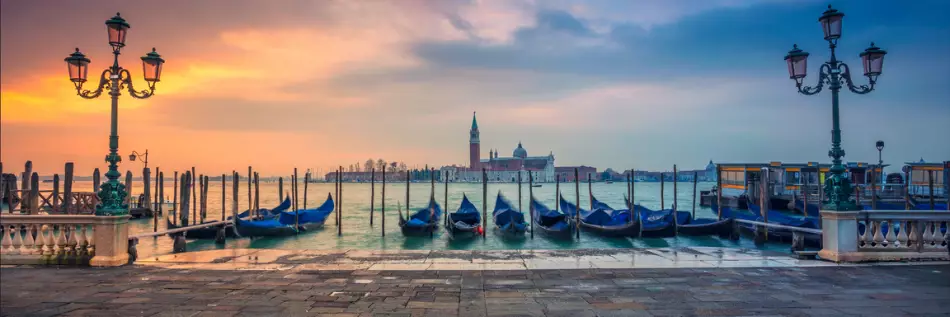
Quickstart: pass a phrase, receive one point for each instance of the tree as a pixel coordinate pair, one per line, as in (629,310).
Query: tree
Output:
(380,164)
(368,165)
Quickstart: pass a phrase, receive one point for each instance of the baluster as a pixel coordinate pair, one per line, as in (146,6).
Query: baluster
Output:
(928,236)
(82,243)
(865,238)
(80,237)
(71,240)
(91,249)
(913,235)
(28,243)
(60,240)
(43,240)
(946,235)
(878,237)
(17,240)
(902,236)
(6,242)
(890,237)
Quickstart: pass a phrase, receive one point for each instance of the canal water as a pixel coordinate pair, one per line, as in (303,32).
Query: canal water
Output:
(358,234)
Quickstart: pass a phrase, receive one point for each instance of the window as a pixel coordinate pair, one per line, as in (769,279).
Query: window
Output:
(793,178)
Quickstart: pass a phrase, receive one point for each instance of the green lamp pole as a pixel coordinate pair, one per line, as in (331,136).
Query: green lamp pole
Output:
(836,74)
(112,193)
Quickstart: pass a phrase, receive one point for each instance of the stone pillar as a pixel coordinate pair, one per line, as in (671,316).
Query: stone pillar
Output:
(112,241)
(839,238)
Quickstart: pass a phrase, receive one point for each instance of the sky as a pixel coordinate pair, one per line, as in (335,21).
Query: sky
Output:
(607,83)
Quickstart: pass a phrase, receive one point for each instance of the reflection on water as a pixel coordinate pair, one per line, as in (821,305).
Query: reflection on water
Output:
(358,234)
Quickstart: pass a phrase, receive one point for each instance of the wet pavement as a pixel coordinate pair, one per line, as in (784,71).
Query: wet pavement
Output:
(440,260)
(295,290)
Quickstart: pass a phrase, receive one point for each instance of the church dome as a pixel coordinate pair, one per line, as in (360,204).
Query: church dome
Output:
(520,152)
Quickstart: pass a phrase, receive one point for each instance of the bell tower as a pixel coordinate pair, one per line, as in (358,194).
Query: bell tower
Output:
(474,149)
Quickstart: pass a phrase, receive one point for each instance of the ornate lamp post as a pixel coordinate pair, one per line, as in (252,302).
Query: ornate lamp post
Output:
(836,74)
(115,78)
(880,162)
(135,155)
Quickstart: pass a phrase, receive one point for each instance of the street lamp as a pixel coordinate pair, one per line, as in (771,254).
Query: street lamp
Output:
(836,74)
(112,193)
(136,154)
(880,162)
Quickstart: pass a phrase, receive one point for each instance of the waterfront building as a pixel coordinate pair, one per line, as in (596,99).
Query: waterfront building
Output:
(503,169)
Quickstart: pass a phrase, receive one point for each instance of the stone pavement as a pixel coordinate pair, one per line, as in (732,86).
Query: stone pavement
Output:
(457,260)
(146,290)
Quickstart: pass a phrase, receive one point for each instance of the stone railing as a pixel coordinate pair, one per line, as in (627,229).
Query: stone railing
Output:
(885,235)
(63,240)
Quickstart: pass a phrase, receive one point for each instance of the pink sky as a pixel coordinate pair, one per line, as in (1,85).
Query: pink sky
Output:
(315,84)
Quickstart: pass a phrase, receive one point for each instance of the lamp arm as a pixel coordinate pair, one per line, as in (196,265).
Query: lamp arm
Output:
(846,74)
(823,73)
(104,83)
(127,80)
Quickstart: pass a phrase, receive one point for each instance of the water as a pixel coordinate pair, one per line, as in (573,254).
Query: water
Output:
(358,234)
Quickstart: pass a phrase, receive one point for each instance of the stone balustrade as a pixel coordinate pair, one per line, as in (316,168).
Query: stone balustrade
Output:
(885,235)
(63,240)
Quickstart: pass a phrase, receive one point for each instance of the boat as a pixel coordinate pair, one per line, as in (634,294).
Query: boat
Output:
(202,233)
(423,221)
(602,219)
(267,226)
(465,222)
(308,219)
(509,222)
(265,213)
(554,224)
(654,223)
(785,219)
(705,227)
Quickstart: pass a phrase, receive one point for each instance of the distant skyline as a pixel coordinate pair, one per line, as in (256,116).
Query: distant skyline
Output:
(612,83)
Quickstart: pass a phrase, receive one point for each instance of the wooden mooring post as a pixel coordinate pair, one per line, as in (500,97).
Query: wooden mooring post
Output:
(257,193)
(182,211)
(675,202)
(577,203)
(531,201)
(194,194)
(25,184)
(372,194)
(55,193)
(147,191)
(662,191)
(695,184)
(34,194)
(156,197)
(175,210)
(95,181)
(445,180)
(161,194)
(520,206)
(306,183)
(128,189)
(339,229)
(280,189)
(432,199)
(590,194)
(484,203)
(633,188)
(557,194)
(250,204)
(382,205)
(68,188)
(296,194)
(221,234)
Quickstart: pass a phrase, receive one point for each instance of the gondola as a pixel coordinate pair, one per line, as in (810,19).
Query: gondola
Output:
(265,213)
(308,219)
(784,219)
(268,226)
(654,223)
(465,222)
(554,224)
(423,221)
(706,227)
(509,222)
(812,210)
(602,219)
(203,233)
(774,234)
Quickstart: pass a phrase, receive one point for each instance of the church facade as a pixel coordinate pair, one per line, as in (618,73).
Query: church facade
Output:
(503,169)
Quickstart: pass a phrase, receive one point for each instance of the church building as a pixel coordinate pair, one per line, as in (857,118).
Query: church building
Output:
(505,169)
